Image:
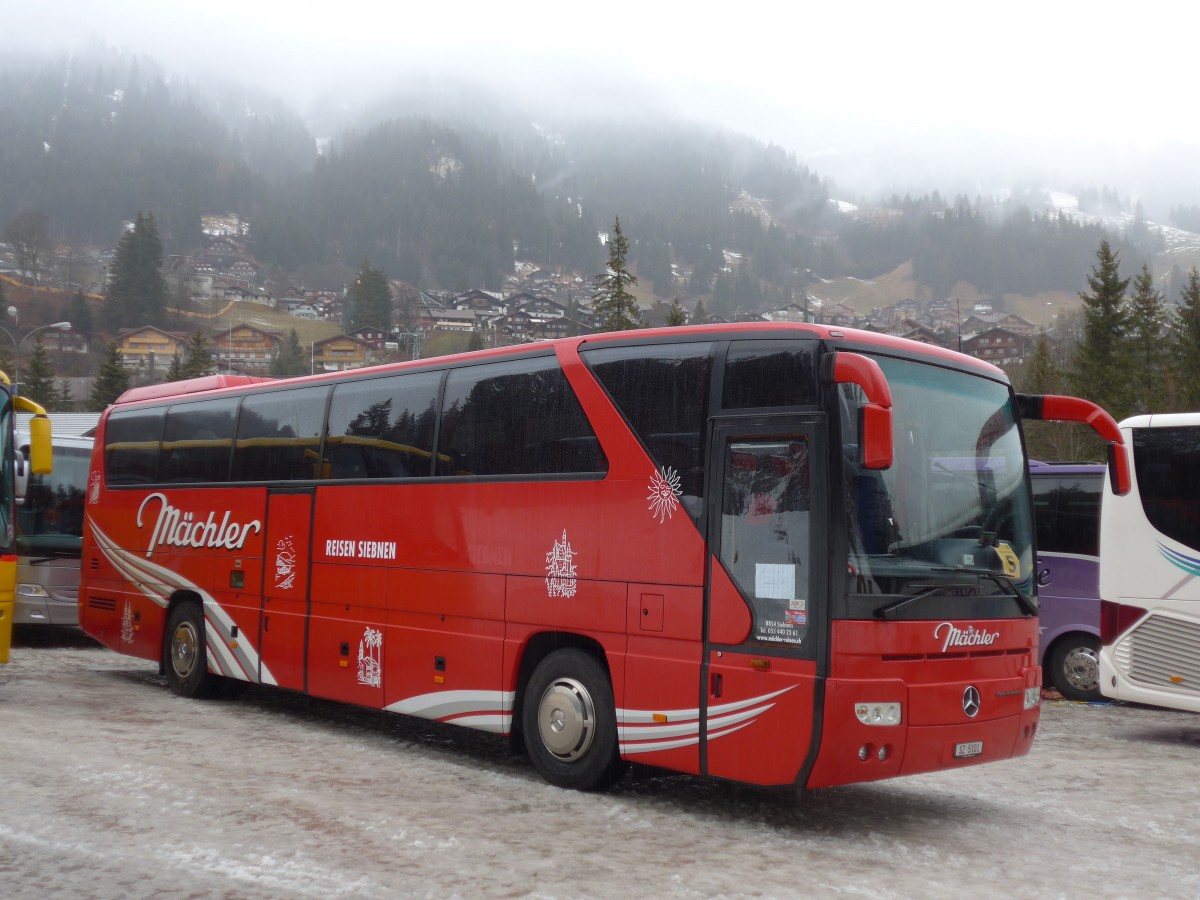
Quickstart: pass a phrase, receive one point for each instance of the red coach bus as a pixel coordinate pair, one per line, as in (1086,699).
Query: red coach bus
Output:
(780,554)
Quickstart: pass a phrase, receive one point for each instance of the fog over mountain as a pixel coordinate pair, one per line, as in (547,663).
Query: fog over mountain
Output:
(878,97)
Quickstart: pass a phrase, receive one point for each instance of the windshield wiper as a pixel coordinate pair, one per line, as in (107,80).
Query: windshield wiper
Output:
(892,609)
(1006,584)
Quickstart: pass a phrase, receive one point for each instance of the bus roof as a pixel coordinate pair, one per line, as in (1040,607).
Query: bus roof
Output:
(883,342)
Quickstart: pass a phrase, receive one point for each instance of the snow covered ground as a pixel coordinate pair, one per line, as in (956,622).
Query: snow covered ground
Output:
(115,788)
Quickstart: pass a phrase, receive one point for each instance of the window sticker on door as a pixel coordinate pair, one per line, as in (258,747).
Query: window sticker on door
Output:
(774,582)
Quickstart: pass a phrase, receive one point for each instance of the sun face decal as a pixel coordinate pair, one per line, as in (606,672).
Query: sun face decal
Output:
(664,494)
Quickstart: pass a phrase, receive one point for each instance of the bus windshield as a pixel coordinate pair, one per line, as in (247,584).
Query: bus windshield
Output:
(50,518)
(950,520)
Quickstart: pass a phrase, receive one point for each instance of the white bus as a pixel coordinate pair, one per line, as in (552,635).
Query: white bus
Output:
(49,524)
(1150,568)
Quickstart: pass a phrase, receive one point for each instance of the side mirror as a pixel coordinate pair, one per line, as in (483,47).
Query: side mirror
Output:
(875,419)
(40,452)
(1055,408)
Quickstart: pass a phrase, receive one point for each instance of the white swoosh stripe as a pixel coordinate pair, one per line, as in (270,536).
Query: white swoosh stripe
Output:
(158,583)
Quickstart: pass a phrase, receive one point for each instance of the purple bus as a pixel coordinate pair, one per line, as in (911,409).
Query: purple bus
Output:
(1066,500)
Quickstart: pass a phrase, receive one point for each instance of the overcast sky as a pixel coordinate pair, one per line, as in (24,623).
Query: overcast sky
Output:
(934,89)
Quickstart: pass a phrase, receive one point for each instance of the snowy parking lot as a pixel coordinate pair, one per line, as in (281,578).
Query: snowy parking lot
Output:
(114,787)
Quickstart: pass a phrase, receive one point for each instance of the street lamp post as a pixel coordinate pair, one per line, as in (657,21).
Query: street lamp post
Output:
(17,345)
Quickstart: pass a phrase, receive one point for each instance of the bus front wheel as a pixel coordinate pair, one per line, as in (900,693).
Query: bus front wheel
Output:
(186,654)
(1075,667)
(570,723)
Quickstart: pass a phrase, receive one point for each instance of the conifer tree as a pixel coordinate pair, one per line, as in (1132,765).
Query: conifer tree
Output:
(289,361)
(699,314)
(676,315)
(198,360)
(78,313)
(65,402)
(175,369)
(1145,348)
(369,300)
(1100,372)
(1185,348)
(137,290)
(112,380)
(37,380)
(616,309)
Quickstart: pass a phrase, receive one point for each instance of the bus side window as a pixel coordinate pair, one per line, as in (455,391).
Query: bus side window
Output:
(131,446)
(382,427)
(516,418)
(197,441)
(279,436)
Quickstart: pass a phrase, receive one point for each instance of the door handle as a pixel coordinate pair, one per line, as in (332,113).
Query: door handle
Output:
(717,684)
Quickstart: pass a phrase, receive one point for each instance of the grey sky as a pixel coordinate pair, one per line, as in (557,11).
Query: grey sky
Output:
(867,90)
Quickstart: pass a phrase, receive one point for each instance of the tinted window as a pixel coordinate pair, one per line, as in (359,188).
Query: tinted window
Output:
(663,393)
(1165,460)
(131,446)
(196,441)
(1067,513)
(50,519)
(279,436)
(770,374)
(382,428)
(516,418)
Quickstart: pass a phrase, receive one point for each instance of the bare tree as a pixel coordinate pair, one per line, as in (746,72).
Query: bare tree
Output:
(29,235)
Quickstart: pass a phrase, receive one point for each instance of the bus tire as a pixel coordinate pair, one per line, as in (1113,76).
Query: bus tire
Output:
(1075,667)
(570,722)
(185,654)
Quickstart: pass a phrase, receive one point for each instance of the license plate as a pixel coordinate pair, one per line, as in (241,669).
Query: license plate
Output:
(971,748)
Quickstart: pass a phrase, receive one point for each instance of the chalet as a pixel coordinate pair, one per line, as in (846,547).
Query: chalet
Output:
(514,328)
(542,307)
(301,309)
(793,312)
(340,352)
(447,319)
(1017,324)
(63,340)
(244,269)
(247,347)
(372,336)
(839,315)
(149,347)
(558,327)
(997,345)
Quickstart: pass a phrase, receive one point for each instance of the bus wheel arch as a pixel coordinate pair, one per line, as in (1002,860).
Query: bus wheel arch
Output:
(1072,666)
(184,651)
(567,713)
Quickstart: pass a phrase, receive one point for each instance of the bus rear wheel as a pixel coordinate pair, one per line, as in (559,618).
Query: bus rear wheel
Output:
(570,724)
(1075,667)
(186,655)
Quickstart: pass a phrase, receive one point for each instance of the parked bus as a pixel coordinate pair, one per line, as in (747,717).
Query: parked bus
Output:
(780,554)
(1066,505)
(1149,563)
(38,463)
(49,531)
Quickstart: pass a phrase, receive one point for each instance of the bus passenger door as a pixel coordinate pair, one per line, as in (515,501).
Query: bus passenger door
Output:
(285,588)
(766,593)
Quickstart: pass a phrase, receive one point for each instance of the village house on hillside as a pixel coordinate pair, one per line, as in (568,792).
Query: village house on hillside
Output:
(246,347)
(340,352)
(998,345)
(150,348)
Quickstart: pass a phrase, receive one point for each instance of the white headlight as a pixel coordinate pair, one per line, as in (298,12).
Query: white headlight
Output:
(31,590)
(1033,696)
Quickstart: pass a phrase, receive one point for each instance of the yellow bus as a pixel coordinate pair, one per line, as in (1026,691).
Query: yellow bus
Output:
(39,464)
